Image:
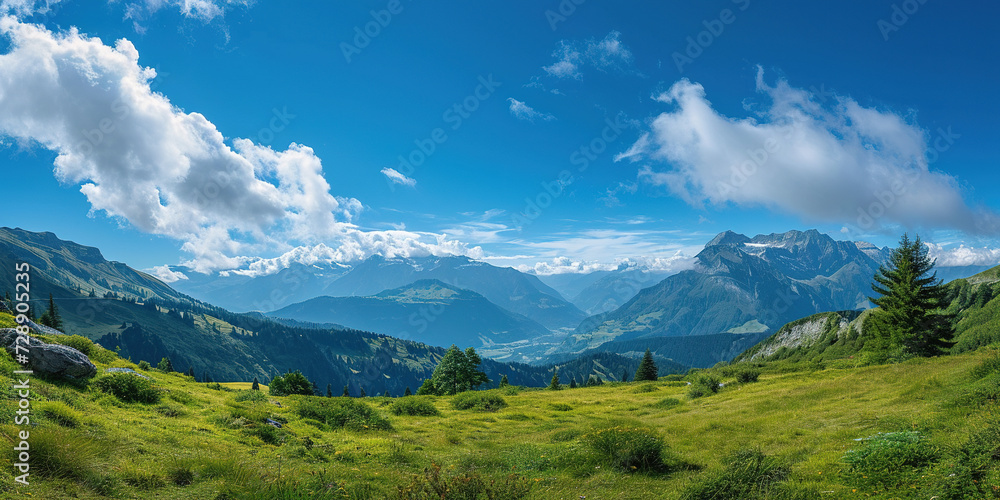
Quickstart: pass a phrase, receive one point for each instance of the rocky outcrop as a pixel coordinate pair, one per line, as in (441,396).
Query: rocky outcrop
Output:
(50,359)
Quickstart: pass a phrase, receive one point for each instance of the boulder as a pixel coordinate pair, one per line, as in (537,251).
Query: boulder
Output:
(50,359)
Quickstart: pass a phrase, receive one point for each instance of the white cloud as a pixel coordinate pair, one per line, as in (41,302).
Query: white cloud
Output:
(524,112)
(841,163)
(203,10)
(397,178)
(167,275)
(138,158)
(23,8)
(568,64)
(963,255)
(607,54)
(610,199)
(565,265)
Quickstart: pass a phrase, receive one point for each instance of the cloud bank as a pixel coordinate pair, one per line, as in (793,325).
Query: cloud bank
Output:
(840,162)
(140,159)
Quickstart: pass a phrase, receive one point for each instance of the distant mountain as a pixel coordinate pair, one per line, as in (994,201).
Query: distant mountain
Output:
(697,351)
(742,284)
(427,311)
(615,289)
(506,287)
(570,285)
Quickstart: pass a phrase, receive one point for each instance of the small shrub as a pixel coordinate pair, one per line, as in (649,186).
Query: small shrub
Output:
(170,410)
(747,474)
(988,367)
(560,407)
(414,406)
(629,448)
(249,395)
(747,375)
(181,473)
(138,478)
(60,413)
(342,412)
(128,387)
(144,365)
(889,459)
(435,486)
(78,342)
(480,401)
(703,385)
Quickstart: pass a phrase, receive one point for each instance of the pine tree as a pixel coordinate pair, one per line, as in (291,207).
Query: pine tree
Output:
(190,373)
(385,394)
(407,392)
(51,317)
(329,390)
(347,393)
(909,318)
(554,383)
(206,379)
(165,365)
(647,368)
(572,383)
(503,381)
(625,375)
(363,395)
(256,385)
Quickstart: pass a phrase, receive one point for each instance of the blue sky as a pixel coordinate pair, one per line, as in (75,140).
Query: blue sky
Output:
(545,135)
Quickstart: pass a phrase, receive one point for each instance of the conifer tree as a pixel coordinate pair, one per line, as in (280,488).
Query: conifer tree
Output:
(503,381)
(363,395)
(458,371)
(427,388)
(329,390)
(51,317)
(911,298)
(554,383)
(572,383)
(625,375)
(255,386)
(165,365)
(347,393)
(647,368)
(407,392)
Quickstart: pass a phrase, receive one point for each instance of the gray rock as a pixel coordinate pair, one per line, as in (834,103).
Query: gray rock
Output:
(50,359)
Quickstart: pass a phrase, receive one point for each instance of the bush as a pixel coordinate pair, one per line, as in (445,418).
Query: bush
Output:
(747,375)
(86,346)
(629,448)
(249,395)
(342,412)
(703,385)
(414,406)
(291,383)
(144,365)
(434,486)
(481,401)
(128,387)
(747,474)
(889,459)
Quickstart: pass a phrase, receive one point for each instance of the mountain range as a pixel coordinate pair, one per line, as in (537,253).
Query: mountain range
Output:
(743,284)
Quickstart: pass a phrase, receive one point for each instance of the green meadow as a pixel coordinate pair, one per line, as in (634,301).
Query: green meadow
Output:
(919,429)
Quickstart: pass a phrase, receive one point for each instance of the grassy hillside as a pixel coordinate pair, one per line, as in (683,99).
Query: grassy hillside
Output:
(796,432)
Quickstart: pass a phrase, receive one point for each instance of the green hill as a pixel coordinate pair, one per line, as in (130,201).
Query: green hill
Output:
(920,429)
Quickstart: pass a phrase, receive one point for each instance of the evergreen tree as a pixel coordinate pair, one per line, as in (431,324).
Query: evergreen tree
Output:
(572,383)
(909,318)
(363,395)
(427,388)
(385,394)
(206,379)
(165,365)
(347,393)
(647,368)
(458,371)
(256,385)
(407,392)
(503,381)
(625,375)
(554,383)
(51,317)
(329,390)
(190,373)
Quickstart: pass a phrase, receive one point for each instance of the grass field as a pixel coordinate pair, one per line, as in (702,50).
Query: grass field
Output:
(791,433)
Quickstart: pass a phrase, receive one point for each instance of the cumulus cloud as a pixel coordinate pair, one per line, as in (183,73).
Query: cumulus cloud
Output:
(23,8)
(144,161)
(395,177)
(839,163)
(524,112)
(963,255)
(607,54)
